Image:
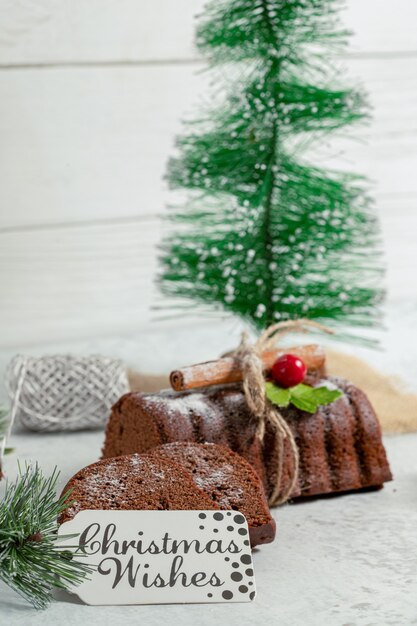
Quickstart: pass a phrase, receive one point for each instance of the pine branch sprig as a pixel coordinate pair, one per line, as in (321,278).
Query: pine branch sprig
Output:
(31,560)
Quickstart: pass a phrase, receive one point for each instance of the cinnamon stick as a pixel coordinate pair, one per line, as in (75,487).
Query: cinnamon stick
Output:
(227,369)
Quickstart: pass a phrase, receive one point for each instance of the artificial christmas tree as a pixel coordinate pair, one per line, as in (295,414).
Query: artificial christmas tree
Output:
(266,233)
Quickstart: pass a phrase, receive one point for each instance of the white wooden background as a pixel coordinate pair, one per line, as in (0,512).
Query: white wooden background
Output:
(91,97)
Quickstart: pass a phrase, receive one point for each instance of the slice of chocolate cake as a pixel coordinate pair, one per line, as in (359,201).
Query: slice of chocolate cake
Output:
(156,481)
(227,479)
(340,446)
(134,482)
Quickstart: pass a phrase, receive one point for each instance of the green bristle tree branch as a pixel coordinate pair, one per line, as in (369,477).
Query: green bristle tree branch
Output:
(266,233)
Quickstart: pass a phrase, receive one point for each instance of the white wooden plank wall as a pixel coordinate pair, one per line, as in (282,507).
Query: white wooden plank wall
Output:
(91,97)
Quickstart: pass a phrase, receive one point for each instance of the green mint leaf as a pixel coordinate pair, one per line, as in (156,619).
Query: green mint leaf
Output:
(302,396)
(324,395)
(301,390)
(303,404)
(277,395)
(309,398)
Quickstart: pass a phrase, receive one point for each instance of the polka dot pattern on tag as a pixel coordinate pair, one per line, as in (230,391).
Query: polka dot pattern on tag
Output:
(238,571)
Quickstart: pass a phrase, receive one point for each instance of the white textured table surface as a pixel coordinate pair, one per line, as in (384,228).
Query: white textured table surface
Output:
(345,561)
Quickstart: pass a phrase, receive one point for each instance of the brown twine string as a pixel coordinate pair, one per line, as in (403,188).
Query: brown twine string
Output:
(262,409)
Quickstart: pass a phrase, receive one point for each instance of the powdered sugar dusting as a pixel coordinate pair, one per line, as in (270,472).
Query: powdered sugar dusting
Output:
(107,477)
(190,403)
(329,384)
(219,480)
(214,478)
(135,460)
(72,511)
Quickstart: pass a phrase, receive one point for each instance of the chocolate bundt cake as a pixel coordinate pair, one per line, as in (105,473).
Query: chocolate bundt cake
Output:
(340,446)
(227,479)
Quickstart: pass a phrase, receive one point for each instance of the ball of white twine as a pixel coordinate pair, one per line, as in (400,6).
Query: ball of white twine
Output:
(64,392)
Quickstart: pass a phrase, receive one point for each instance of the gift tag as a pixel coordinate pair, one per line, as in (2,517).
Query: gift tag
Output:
(160,557)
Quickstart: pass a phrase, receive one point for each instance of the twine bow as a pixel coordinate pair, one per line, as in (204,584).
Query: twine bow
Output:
(263,411)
